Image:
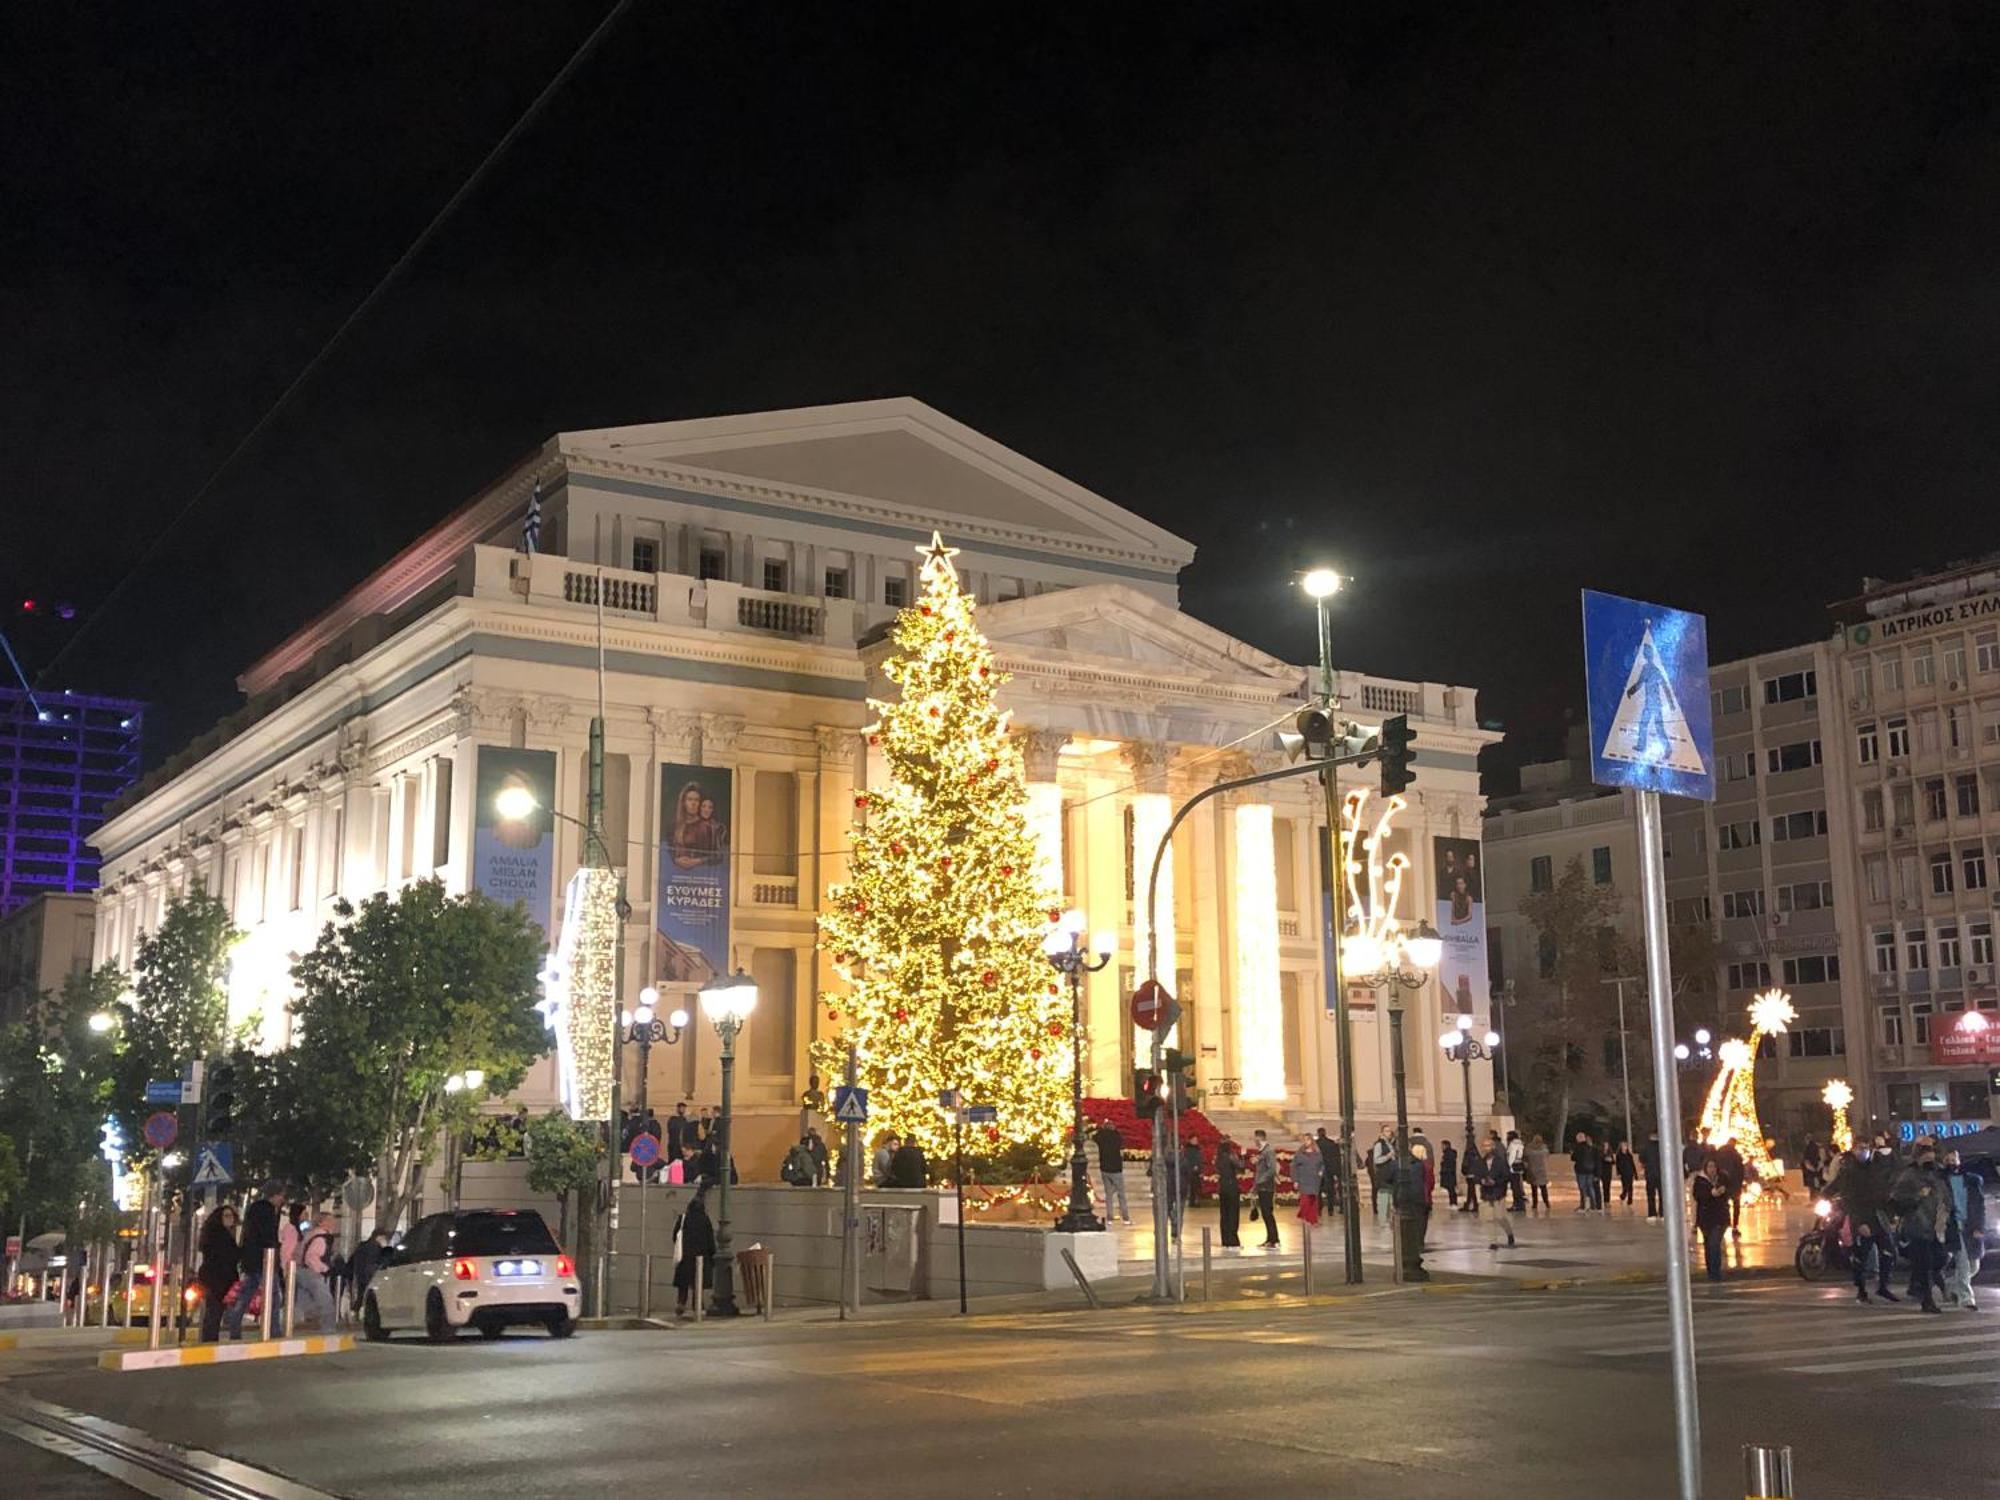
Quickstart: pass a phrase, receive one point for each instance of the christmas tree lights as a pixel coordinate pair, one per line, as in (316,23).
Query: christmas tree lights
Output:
(938,931)
(1730,1111)
(1838,1095)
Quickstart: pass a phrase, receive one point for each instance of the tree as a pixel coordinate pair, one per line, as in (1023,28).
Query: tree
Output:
(395,997)
(178,1008)
(1573,922)
(56,1090)
(565,1156)
(939,929)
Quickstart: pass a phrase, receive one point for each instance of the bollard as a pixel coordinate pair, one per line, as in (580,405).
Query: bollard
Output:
(291,1299)
(770,1284)
(268,1291)
(1204,1262)
(645,1282)
(1767,1472)
(104,1295)
(131,1275)
(700,1286)
(1309,1257)
(159,1278)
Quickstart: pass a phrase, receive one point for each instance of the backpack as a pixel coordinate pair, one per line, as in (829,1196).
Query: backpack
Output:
(798,1167)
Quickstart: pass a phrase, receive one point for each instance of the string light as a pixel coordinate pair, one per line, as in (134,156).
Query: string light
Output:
(580,993)
(1838,1095)
(1729,1114)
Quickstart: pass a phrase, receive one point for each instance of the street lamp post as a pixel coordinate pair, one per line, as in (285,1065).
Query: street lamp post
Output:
(1462,1047)
(1067,952)
(645,1030)
(727,1002)
(1381,963)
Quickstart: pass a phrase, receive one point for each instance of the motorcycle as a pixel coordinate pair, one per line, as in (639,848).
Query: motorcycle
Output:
(1824,1247)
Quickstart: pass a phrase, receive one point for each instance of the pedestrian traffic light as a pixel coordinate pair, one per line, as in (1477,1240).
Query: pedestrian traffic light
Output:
(1397,738)
(1145,1093)
(219,1118)
(1179,1070)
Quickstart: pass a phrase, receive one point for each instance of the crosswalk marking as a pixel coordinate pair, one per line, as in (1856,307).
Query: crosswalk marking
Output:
(1963,1377)
(1932,1342)
(1902,1361)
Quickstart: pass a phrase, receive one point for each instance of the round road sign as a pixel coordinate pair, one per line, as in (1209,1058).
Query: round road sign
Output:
(160,1130)
(645,1149)
(1149,1005)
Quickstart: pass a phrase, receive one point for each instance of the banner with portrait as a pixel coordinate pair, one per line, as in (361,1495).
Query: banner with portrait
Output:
(1463,985)
(514,859)
(696,807)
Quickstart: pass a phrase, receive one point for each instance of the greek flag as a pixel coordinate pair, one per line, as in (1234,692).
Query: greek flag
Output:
(531,528)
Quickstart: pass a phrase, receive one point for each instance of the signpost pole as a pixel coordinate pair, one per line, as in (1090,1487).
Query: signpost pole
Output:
(958,1145)
(850,1208)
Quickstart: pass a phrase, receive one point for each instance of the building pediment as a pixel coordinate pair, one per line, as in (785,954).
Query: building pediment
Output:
(1113,625)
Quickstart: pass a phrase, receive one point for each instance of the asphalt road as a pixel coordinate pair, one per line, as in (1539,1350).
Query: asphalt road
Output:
(1395,1394)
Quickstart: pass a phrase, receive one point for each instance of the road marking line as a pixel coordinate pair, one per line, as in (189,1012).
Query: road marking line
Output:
(1964,1377)
(1899,1363)
(222,1354)
(1788,1343)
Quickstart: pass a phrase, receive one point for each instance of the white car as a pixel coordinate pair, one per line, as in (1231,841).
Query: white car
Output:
(487,1268)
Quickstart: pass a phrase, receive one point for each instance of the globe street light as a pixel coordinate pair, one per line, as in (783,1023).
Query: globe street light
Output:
(1461,1046)
(644,1029)
(1067,952)
(1398,961)
(727,1001)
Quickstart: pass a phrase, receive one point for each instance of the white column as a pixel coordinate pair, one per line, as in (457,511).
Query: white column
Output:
(1260,1015)
(1039,749)
(1151,812)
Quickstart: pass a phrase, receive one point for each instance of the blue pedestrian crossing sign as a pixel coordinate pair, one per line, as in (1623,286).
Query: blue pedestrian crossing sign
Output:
(215,1164)
(850,1105)
(1646,682)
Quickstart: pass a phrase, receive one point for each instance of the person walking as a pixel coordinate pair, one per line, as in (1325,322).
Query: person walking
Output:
(1583,1159)
(1499,1180)
(1382,1170)
(315,1259)
(1968,1230)
(1729,1161)
(694,1245)
(1229,1191)
(1858,1186)
(677,1130)
(217,1269)
(1111,1169)
(1517,1172)
(1266,1184)
(1535,1167)
(1923,1198)
(367,1261)
(1306,1172)
(260,1233)
(1448,1170)
(1649,1168)
(1607,1154)
(822,1159)
(1812,1167)
(1472,1173)
(1711,1214)
(1627,1167)
(1329,1182)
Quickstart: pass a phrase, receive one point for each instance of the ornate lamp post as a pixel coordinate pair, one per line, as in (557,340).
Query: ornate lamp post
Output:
(1461,1046)
(645,1030)
(727,1002)
(1397,961)
(1066,951)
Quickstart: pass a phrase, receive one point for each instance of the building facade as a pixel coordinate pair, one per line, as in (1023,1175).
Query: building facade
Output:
(728,585)
(64,759)
(41,945)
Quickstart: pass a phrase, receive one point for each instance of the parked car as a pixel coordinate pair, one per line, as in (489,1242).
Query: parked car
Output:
(486,1268)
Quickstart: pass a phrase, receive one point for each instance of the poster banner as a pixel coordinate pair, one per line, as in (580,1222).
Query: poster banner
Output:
(1463,985)
(696,805)
(515,859)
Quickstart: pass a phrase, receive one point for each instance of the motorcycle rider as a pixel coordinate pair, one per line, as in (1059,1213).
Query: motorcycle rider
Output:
(1860,1186)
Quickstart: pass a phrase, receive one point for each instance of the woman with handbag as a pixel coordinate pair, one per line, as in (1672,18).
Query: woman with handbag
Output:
(1306,1172)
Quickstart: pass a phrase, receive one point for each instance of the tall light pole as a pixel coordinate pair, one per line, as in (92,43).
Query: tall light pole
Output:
(1066,951)
(645,1030)
(1461,1046)
(1320,585)
(727,1002)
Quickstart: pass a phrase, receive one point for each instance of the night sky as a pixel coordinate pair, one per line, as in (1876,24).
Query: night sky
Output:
(1697,303)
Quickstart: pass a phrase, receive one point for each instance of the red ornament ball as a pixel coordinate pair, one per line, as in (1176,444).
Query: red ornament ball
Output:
(926,609)
(951,635)
(982,672)
(1055,989)
(901,1014)
(897,849)
(874,739)
(989,978)
(1035,1053)
(832,1015)
(862,800)
(945,863)
(992,1132)
(993,765)
(1055,1028)
(1006,870)
(934,712)
(1055,915)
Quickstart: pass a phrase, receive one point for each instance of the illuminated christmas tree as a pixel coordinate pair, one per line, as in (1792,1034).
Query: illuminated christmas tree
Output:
(1730,1111)
(939,929)
(1838,1095)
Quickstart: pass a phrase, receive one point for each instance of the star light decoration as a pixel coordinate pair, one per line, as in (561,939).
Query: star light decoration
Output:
(1730,1111)
(937,932)
(1837,1096)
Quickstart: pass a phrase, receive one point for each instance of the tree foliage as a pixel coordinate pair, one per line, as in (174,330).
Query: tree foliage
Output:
(396,996)
(56,1088)
(565,1157)
(1553,1026)
(178,1005)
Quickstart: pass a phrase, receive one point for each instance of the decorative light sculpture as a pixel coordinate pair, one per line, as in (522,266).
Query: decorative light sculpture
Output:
(1838,1095)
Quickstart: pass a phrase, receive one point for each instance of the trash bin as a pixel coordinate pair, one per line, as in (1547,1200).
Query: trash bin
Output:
(753,1272)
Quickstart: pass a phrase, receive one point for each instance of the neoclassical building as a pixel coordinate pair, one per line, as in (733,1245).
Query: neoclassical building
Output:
(729,582)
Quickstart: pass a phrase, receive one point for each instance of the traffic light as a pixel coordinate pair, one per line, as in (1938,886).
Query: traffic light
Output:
(219,1111)
(1397,737)
(1145,1093)
(1179,1070)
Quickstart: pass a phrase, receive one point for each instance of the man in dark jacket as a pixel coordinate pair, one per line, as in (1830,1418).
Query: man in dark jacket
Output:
(1448,1170)
(1649,1168)
(1711,1213)
(1966,1239)
(1859,1188)
(260,1233)
(367,1261)
(1329,1185)
(1730,1162)
(677,1130)
(1923,1198)
(1111,1169)
(908,1168)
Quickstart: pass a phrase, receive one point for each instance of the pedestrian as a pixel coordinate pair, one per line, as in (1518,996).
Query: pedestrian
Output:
(1190,1172)
(315,1260)
(1649,1168)
(1729,1161)
(260,1233)
(1517,1171)
(1499,1180)
(884,1154)
(1448,1170)
(1711,1214)
(687,1168)
(1266,1184)
(1535,1164)
(367,1261)
(1923,1198)
(1472,1173)
(704,1126)
(1968,1230)
(1229,1191)
(822,1160)
(1693,1154)
(677,1131)
(798,1168)
(1607,1157)
(1382,1170)
(694,1250)
(1306,1172)
(907,1168)
(1811,1167)
(1627,1166)
(1858,1185)
(217,1269)
(1583,1159)
(1329,1182)
(1111,1169)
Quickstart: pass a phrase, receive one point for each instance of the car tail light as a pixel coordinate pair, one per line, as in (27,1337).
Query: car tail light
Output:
(464,1270)
(191,1296)
(565,1266)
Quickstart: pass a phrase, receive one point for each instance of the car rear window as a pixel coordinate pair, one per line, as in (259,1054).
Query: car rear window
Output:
(521,1233)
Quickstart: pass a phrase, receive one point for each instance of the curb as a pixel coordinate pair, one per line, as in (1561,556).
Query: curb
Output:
(222,1354)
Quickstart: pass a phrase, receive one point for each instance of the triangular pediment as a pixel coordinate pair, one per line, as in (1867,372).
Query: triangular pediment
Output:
(1113,625)
(898,459)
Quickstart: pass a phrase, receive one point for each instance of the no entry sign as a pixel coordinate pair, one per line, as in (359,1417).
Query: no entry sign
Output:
(1149,1005)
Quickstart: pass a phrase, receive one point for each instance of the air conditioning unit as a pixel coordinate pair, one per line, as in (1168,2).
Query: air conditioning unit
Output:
(1996,898)
(1894,770)
(1956,686)
(1977,976)
(1899,832)
(1902,903)
(1855,705)
(1780,919)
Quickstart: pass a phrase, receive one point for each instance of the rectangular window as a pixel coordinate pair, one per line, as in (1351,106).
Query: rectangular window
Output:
(1600,865)
(1541,873)
(1739,766)
(1907,885)
(1885,950)
(1867,744)
(1989,721)
(1742,904)
(1916,950)
(295,880)
(1972,866)
(440,812)
(1934,799)
(1799,825)
(776,579)
(1806,895)
(1545,956)
(333,845)
(776,828)
(1966,789)
(407,787)
(1899,739)
(1920,1022)
(1979,937)
(1927,731)
(1791,687)
(895,590)
(1871,810)
(1902,805)
(1801,755)
(1941,873)
(1986,651)
(835,583)
(1923,667)
(1954,664)
(1956,734)
(1731,700)
(1892,1025)
(1875,876)
(1947,945)
(712,563)
(1815,1041)
(645,556)
(1691,911)
(1861,679)
(1890,665)
(769,1031)
(1283,856)
(1739,835)
(1750,976)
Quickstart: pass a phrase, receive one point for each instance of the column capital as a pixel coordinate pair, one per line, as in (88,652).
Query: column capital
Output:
(1039,749)
(1150,761)
(674,729)
(720,732)
(837,744)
